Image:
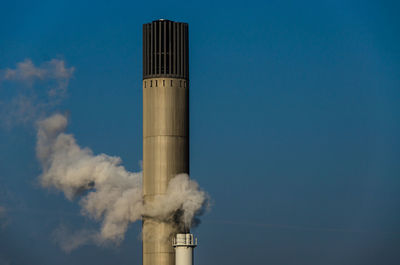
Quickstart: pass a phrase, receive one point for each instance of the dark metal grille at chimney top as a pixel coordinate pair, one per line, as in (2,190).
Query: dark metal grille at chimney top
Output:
(165,49)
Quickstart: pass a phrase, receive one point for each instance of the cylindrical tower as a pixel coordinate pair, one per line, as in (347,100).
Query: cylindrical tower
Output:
(184,245)
(165,127)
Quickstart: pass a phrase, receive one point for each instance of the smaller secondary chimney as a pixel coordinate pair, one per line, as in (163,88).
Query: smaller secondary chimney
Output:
(184,245)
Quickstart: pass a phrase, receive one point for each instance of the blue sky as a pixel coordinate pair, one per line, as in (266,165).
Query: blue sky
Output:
(294,125)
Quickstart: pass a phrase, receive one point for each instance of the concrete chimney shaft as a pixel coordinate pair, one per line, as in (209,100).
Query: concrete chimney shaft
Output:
(165,127)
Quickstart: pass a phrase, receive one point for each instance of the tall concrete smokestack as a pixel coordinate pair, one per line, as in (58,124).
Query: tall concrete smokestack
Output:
(165,127)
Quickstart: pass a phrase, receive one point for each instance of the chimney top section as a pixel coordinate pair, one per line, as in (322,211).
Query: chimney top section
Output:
(165,49)
(184,240)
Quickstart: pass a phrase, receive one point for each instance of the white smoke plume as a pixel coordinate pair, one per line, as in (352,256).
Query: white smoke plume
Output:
(28,102)
(108,192)
(28,73)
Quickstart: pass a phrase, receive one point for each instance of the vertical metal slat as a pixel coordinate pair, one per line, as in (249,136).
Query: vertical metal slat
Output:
(178,53)
(182,48)
(159,47)
(187,52)
(174,52)
(151,50)
(165,47)
(169,47)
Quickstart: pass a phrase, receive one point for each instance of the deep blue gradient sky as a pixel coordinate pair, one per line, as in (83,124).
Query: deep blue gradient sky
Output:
(294,119)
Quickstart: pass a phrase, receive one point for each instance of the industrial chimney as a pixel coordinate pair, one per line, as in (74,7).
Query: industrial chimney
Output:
(184,245)
(165,128)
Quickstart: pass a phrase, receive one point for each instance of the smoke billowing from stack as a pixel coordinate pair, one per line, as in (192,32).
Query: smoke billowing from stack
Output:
(108,192)
(165,130)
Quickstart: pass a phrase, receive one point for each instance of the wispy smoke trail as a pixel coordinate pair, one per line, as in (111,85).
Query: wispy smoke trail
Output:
(108,192)
(27,104)
(26,72)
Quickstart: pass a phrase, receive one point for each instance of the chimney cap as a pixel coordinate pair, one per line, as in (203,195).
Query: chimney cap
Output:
(165,49)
